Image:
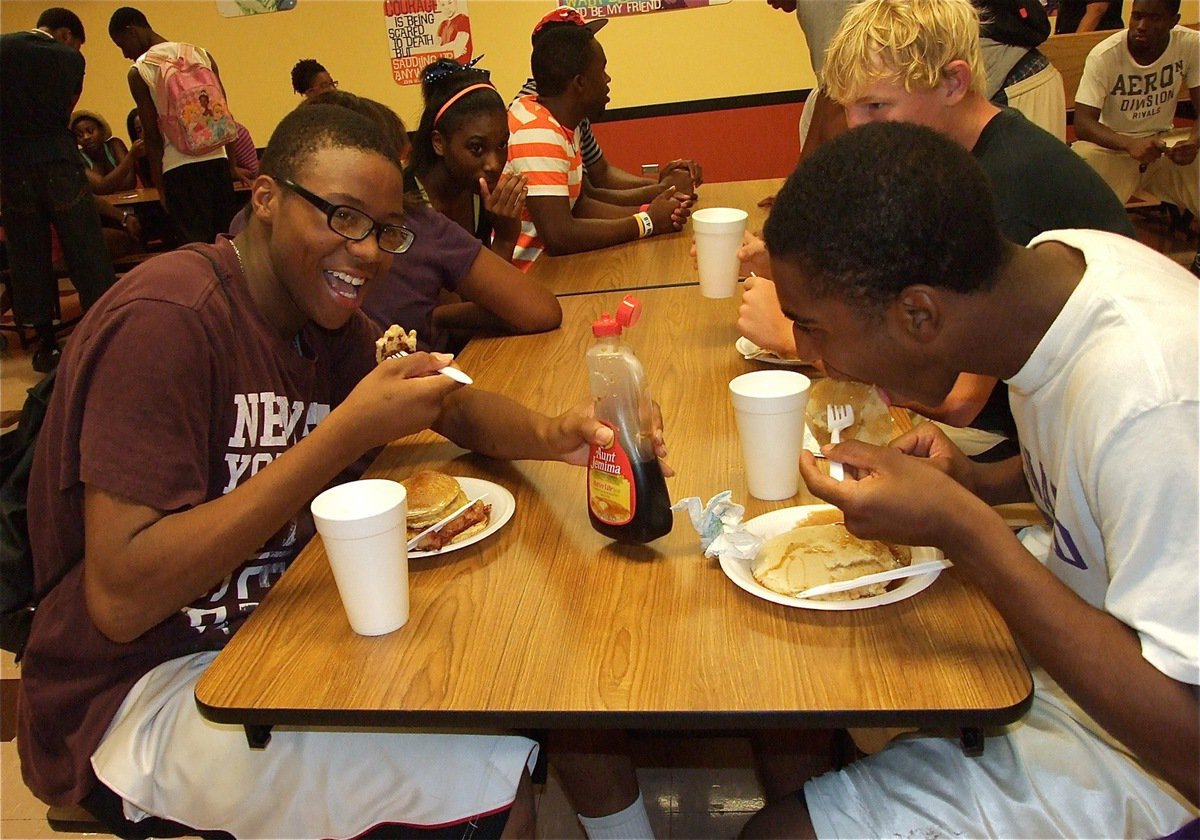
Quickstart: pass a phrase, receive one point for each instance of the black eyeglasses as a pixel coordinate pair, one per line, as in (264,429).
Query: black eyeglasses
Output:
(354,224)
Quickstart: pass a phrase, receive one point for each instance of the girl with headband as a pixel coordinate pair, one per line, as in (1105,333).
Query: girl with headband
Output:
(460,151)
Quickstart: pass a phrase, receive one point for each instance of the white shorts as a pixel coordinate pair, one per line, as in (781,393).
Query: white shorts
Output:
(1178,185)
(163,759)
(1045,776)
(1042,100)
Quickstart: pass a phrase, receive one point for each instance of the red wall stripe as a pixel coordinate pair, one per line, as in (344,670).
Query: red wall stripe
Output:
(735,145)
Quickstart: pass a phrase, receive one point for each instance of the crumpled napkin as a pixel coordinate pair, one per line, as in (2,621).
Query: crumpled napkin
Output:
(719,524)
(1038,540)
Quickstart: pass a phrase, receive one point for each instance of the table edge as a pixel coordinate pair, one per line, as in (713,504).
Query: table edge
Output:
(673,719)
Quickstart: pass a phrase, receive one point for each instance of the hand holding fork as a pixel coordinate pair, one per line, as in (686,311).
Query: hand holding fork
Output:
(838,418)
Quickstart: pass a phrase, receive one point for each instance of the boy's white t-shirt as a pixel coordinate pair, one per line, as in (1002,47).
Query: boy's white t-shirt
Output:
(1109,416)
(1139,100)
(168,51)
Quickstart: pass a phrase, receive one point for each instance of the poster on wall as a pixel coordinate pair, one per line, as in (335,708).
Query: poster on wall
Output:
(421,31)
(618,8)
(238,8)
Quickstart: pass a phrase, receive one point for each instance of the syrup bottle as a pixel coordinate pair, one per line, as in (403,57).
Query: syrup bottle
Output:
(627,495)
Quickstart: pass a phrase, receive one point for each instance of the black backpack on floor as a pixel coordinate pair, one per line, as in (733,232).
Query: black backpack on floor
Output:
(18,597)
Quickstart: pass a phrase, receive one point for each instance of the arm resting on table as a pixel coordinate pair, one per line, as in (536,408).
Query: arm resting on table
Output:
(594,225)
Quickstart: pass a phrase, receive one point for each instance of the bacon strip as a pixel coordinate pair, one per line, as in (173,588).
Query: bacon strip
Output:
(436,540)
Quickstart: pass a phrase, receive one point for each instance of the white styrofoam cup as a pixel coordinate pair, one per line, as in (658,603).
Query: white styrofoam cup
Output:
(769,405)
(362,524)
(718,232)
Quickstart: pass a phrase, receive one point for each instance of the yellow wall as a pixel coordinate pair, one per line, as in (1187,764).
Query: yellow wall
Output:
(741,48)
(744,47)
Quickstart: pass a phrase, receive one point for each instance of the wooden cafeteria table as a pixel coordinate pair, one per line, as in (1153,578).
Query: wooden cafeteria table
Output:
(149,195)
(142,195)
(546,623)
(663,260)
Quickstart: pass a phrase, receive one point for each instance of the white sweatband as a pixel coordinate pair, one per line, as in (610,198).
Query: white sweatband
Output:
(645,225)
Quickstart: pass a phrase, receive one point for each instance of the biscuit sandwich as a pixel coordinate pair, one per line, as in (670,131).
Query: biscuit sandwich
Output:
(394,341)
(811,555)
(432,496)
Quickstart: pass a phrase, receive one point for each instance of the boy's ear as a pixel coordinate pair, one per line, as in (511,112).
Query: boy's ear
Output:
(264,197)
(918,313)
(956,81)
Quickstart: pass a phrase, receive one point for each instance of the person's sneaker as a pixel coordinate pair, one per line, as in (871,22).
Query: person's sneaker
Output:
(45,358)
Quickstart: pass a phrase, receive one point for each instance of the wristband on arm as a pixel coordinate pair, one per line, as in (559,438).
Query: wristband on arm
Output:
(645,225)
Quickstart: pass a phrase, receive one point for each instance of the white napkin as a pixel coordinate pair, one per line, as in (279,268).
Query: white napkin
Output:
(1037,540)
(810,441)
(719,524)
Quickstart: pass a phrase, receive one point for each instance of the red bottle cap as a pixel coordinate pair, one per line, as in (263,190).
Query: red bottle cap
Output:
(629,311)
(606,326)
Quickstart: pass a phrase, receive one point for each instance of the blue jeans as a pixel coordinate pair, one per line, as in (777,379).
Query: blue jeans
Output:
(34,198)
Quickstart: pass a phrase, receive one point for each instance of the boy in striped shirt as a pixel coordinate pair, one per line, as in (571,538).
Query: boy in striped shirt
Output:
(569,67)
(603,179)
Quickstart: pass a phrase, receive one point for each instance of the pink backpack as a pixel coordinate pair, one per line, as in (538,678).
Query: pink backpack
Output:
(192,112)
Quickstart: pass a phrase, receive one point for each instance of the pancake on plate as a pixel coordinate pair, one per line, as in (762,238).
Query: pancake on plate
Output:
(433,496)
(810,555)
(873,423)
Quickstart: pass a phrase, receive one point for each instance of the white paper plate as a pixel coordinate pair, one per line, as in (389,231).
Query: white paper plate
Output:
(503,506)
(753,352)
(778,521)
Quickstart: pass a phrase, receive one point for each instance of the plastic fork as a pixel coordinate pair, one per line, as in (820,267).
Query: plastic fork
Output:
(839,418)
(452,372)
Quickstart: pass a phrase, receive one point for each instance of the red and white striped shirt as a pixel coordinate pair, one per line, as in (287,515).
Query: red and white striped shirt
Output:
(547,154)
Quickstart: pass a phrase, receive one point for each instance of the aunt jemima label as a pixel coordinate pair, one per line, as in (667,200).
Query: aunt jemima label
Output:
(612,493)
